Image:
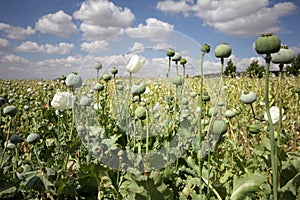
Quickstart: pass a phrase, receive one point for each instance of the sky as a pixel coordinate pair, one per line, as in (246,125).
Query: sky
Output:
(49,38)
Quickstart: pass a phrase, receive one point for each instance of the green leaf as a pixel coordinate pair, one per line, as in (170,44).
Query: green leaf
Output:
(74,145)
(249,183)
(8,191)
(292,185)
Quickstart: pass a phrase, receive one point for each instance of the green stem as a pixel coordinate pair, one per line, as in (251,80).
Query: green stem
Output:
(272,139)
(147,131)
(199,121)
(6,143)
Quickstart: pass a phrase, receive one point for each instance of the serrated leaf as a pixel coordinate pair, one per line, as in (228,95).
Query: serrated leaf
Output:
(249,183)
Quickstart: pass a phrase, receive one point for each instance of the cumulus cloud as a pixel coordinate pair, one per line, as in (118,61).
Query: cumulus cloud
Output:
(101,19)
(33,47)
(232,17)
(154,29)
(137,47)
(14,32)
(4,43)
(95,46)
(11,58)
(58,23)
(296,49)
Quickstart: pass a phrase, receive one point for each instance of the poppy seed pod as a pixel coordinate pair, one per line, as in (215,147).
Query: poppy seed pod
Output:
(230,113)
(219,126)
(170,52)
(74,80)
(86,101)
(176,57)
(182,61)
(98,66)
(205,48)
(138,89)
(98,87)
(106,77)
(223,50)
(178,80)
(15,139)
(283,56)
(140,113)
(254,128)
(33,138)
(114,71)
(10,110)
(267,44)
(248,97)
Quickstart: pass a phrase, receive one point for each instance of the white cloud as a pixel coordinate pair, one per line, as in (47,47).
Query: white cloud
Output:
(11,58)
(69,61)
(3,43)
(58,23)
(154,29)
(175,7)
(33,47)
(101,18)
(98,45)
(234,17)
(296,49)
(14,32)
(137,48)
(92,32)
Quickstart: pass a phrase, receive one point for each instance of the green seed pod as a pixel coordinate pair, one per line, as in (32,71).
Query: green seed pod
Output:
(86,101)
(248,97)
(63,77)
(74,80)
(98,87)
(106,77)
(170,52)
(178,80)
(98,66)
(10,110)
(230,113)
(219,126)
(212,111)
(182,61)
(176,57)
(205,98)
(114,71)
(184,101)
(15,139)
(267,44)
(33,138)
(205,48)
(138,89)
(223,50)
(254,128)
(140,113)
(283,56)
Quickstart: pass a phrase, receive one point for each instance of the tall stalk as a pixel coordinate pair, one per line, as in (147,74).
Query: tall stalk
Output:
(199,120)
(274,156)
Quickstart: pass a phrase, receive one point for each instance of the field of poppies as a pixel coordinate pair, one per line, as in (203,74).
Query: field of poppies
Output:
(180,137)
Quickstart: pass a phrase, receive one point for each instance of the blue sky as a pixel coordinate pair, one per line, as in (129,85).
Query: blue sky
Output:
(45,39)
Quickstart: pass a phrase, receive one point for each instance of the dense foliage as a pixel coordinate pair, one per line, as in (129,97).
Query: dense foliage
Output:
(53,163)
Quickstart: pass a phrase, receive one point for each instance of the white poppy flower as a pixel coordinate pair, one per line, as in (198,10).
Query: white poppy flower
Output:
(135,63)
(274,111)
(62,100)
